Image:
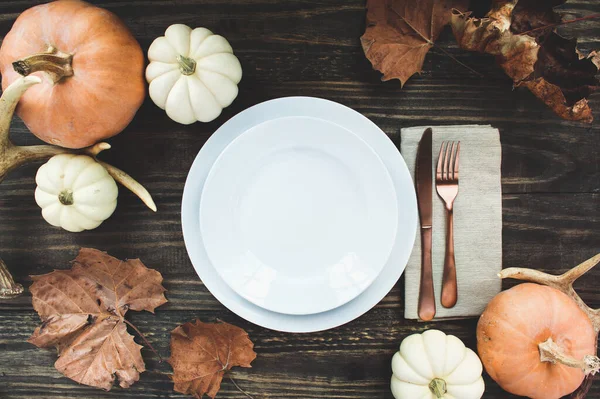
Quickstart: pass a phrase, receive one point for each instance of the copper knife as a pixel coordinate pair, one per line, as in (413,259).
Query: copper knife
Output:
(423,178)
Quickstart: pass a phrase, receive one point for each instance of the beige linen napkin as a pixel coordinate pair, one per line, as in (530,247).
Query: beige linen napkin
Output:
(477,220)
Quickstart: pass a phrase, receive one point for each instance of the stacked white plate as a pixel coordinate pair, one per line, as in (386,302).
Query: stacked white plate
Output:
(299,214)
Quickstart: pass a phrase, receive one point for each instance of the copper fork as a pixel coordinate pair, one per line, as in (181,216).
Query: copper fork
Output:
(446,183)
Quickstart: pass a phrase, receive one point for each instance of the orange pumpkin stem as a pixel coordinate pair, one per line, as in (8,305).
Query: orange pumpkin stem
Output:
(551,352)
(563,283)
(54,62)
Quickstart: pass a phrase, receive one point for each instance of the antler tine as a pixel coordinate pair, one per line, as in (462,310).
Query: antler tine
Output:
(580,269)
(8,103)
(130,183)
(563,283)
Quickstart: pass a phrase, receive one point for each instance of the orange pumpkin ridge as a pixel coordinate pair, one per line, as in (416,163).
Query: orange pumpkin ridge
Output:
(92,69)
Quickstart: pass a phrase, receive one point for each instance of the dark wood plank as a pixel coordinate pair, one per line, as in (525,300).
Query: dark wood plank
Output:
(553,232)
(350,362)
(551,185)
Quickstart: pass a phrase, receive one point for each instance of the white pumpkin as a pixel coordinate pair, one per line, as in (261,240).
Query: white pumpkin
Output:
(193,74)
(434,365)
(75,192)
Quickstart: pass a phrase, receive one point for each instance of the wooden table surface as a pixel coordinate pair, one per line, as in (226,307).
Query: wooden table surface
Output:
(551,200)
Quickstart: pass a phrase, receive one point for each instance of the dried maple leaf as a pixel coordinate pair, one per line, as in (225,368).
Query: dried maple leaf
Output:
(201,353)
(82,312)
(400,33)
(520,33)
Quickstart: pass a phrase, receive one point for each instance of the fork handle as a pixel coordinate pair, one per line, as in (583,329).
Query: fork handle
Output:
(426,308)
(449,285)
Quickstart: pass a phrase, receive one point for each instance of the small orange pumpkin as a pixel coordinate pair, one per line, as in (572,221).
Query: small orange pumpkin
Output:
(538,340)
(92,66)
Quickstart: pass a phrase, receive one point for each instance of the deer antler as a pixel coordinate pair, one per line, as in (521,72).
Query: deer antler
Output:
(563,283)
(13,156)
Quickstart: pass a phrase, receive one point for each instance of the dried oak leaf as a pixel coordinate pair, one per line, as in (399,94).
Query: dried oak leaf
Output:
(201,353)
(82,312)
(549,65)
(399,33)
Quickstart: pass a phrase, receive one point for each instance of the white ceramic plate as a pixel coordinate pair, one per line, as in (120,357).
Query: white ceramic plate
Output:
(335,113)
(298,215)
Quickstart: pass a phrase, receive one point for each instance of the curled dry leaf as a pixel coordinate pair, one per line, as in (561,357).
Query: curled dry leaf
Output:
(201,353)
(516,54)
(83,316)
(520,34)
(400,33)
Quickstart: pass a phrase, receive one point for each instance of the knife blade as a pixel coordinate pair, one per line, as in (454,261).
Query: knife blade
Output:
(423,178)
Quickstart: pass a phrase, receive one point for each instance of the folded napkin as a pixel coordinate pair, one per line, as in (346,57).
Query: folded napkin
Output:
(477,220)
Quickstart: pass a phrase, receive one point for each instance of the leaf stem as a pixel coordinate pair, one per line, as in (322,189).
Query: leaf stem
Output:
(428,40)
(593,16)
(144,339)
(239,389)
(432,44)
(457,61)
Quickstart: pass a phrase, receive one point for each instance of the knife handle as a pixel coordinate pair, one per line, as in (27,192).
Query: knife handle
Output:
(449,286)
(426,307)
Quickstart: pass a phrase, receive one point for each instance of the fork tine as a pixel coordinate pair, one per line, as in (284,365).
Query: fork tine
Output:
(451,161)
(446,173)
(456,158)
(438,170)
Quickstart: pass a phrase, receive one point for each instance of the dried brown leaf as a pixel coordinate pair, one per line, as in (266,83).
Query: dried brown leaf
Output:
(555,99)
(516,54)
(400,33)
(201,353)
(82,312)
(536,16)
(549,65)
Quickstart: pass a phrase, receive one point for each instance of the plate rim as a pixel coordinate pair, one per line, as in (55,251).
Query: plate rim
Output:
(393,161)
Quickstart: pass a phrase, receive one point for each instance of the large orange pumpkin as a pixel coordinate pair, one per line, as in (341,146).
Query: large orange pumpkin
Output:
(532,340)
(92,66)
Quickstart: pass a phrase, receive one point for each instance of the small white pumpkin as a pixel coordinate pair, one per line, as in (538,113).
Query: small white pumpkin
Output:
(75,192)
(193,74)
(434,365)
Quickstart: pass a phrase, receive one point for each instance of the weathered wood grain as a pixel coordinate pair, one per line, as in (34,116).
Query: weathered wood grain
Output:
(350,362)
(551,185)
(552,232)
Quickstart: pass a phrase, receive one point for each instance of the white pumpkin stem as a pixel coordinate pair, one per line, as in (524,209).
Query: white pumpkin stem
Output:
(437,386)
(12,156)
(551,352)
(187,66)
(563,283)
(66,197)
